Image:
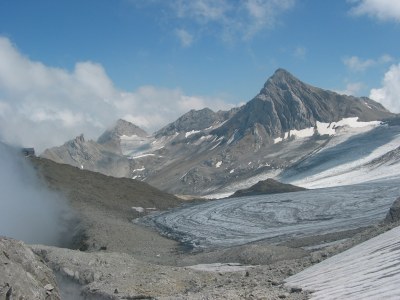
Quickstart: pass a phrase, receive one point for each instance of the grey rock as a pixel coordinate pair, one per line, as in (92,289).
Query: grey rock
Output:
(23,275)
(394,212)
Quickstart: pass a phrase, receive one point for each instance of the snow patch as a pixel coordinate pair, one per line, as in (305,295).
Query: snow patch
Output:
(220,267)
(138,209)
(231,171)
(142,155)
(129,137)
(218,164)
(232,138)
(187,134)
(216,145)
(326,128)
(370,270)
(139,170)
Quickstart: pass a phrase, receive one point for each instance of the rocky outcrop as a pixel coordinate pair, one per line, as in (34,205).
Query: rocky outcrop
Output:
(394,212)
(23,275)
(269,186)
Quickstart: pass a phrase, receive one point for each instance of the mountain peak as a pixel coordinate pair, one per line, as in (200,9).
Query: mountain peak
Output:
(120,128)
(281,75)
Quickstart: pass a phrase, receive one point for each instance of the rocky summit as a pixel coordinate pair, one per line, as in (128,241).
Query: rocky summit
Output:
(205,152)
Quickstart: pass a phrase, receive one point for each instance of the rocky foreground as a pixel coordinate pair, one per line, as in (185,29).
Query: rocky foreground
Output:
(122,260)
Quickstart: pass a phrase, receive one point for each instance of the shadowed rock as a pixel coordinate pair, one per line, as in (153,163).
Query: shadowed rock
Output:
(269,186)
(394,212)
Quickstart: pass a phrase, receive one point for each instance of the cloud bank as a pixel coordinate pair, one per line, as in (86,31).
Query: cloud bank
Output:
(43,106)
(384,10)
(357,64)
(389,93)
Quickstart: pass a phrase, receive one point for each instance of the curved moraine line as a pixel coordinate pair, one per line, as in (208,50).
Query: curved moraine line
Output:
(279,217)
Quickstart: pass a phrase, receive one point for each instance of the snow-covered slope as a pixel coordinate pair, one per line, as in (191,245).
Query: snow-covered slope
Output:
(353,156)
(370,270)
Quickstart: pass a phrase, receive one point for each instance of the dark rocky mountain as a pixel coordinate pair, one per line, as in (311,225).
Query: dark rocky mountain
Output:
(268,186)
(204,151)
(286,103)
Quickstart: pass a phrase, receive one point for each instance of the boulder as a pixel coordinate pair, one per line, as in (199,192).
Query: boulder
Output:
(394,212)
(23,275)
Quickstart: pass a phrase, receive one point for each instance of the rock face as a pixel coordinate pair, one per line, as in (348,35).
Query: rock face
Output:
(394,212)
(23,275)
(269,186)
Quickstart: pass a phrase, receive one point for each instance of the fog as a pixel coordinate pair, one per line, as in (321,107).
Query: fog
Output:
(28,210)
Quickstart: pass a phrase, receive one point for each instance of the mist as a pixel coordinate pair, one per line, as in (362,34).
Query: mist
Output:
(28,210)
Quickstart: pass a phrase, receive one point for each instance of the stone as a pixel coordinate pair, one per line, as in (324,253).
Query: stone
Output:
(23,273)
(393,214)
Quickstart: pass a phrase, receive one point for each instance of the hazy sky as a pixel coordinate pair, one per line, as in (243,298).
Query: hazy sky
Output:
(68,67)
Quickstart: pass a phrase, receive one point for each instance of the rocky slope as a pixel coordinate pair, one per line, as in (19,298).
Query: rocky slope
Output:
(205,152)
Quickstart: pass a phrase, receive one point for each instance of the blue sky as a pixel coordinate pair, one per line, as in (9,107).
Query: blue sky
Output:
(75,66)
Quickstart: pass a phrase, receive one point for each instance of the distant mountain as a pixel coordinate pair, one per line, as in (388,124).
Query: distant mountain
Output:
(89,155)
(282,128)
(111,137)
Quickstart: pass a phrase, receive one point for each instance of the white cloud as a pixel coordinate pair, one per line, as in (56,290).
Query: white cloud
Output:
(351,89)
(184,37)
(242,20)
(389,93)
(356,64)
(201,10)
(42,106)
(384,10)
(300,52)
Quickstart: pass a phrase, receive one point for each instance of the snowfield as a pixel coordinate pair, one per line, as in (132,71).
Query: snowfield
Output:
(370,270)
(354,156)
